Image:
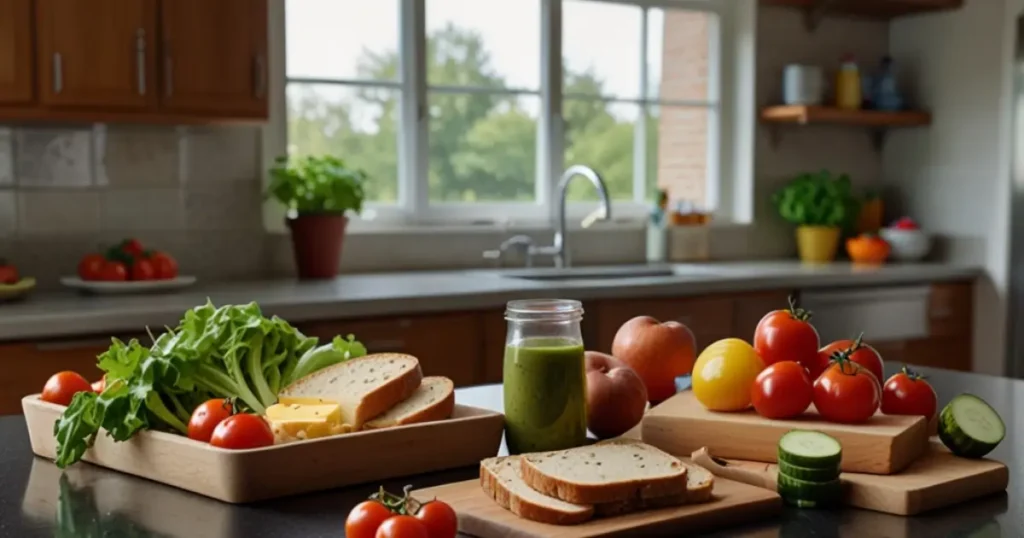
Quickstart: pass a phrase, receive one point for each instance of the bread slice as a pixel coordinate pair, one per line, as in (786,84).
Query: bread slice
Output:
(612,471)
(699,484)
(433,400)
(365,387)
(500,478)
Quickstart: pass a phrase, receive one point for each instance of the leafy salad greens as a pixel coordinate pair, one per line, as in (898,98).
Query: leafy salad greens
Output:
(228,352)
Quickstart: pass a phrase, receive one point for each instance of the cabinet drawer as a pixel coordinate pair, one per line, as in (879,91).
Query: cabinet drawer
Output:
(446,344)
(710,318)
(28,365)
(950,309)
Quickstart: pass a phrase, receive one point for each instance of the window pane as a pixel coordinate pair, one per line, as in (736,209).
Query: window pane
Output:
(342,39)
(679,54)
(484,43)
(678,153)
(357,124)
(483,147)
(600,135)
(601,48)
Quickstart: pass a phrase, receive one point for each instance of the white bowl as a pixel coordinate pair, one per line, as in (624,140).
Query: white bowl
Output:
(907,245)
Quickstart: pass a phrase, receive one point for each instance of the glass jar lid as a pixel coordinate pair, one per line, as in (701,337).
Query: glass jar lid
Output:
(557,310)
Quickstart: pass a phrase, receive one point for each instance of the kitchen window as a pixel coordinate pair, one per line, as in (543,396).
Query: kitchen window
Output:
(467,111)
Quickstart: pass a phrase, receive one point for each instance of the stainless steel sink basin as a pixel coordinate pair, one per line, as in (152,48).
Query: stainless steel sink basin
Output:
(589,273)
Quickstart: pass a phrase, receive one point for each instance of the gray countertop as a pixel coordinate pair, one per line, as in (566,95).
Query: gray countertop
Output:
(62,314)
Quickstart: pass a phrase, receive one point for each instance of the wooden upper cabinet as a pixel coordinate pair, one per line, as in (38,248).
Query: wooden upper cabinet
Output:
(99,54)
(15,51)
(215,56)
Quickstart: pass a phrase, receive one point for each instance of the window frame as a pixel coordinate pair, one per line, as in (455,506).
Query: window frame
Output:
(727,164)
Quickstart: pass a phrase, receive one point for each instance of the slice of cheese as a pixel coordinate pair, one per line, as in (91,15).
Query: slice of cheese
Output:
(304,400)
(305,420)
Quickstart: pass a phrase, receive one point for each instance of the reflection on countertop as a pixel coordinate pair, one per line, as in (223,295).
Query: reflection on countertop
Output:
(58,314)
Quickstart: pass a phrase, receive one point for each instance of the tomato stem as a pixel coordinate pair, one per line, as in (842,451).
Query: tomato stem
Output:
(912,374)
(796,312)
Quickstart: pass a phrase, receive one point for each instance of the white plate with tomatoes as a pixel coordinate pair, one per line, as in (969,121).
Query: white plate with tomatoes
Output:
(113,287)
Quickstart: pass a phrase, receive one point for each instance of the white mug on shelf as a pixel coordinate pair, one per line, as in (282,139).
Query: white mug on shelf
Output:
(803,85)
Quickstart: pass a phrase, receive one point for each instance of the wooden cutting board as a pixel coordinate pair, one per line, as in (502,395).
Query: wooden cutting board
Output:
(883,445)
(937,479)
(734,504)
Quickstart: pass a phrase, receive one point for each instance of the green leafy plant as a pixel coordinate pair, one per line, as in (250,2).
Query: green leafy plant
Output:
(317,185)
(818,199)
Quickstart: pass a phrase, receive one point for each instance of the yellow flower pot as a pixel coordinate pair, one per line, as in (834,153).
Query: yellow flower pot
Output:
(817,244)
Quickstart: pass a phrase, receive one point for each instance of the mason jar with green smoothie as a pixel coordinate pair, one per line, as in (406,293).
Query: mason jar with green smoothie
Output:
(545,380)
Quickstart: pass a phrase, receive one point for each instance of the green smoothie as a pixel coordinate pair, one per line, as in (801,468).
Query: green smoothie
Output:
(545,395)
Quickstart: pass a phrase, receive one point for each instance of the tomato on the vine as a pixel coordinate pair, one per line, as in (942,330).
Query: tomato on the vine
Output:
(132,247)
(242,431)
(847,393)
(205,418)
(787,335)
(90,266)
(439,518)
(112,271)
(62,387)
(165,266)
(907,393)
(402,527)
(143,269)
(364,520)
(782,390)
(856,351)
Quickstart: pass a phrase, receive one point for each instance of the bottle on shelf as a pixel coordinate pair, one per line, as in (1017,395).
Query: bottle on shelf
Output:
(849,94)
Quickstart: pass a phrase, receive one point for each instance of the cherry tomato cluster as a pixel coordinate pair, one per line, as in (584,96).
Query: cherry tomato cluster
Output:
(841,379)
(387,515)
(128,261)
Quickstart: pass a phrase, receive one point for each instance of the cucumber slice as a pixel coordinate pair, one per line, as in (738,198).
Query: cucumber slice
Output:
(810,449)
(969,427)
(804,494)
(807,473)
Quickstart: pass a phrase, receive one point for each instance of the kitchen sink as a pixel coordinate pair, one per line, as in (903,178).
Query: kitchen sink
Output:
(597,273)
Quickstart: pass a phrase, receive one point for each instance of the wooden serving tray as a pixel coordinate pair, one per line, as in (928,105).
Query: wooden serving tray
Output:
(886,444)
(733,504)
(239,476)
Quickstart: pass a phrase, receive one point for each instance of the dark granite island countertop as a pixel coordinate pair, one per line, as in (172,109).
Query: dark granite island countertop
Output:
(36,500)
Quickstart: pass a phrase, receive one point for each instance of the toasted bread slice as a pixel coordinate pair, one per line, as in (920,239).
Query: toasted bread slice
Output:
(433,400)
(699,484)
(612,471)
(365,387)
(500,478)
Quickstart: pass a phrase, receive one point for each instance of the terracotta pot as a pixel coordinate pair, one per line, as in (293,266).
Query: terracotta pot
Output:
(317,241)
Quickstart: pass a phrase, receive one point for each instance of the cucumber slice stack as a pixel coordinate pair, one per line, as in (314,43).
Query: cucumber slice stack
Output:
(809,469)
(969,427)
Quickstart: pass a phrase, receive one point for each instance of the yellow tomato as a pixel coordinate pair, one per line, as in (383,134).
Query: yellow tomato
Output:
(724,374)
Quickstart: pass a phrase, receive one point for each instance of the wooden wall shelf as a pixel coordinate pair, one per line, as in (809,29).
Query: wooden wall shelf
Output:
(816,10)
(877,120)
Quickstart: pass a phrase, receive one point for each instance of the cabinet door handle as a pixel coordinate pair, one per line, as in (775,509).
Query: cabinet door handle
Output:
(260,67)
(140,58)
(168,71)
(58,73)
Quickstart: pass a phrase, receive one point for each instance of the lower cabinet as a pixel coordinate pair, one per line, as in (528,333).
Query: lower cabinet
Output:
(28,366)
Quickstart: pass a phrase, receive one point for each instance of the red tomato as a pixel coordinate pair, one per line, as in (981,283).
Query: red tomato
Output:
(112,271)
(782,390)
(907,393)
(243,431)
(847,393)
(402,527)
(164,265)
(62,387)
(855,350)
(365,518)
(132,247)
(101,385)
(8,273)
(206,417)
(90,266)
(786,335)
(439,519)
(142,269)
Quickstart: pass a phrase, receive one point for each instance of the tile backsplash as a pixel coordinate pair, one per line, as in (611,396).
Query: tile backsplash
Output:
(192,191)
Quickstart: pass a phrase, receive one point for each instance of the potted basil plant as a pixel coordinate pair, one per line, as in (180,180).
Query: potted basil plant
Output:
(319,193)
(821,206)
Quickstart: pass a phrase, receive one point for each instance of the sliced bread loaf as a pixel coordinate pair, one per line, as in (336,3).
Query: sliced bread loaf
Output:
(500,478)
(365,387)
(612,471)
(433,400)
(699,484)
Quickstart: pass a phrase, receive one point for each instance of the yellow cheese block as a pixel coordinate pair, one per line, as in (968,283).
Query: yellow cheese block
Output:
(303,400)
(306,421)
